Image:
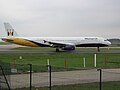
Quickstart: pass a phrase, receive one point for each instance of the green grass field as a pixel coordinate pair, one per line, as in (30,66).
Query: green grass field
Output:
(57,60)
(73,60)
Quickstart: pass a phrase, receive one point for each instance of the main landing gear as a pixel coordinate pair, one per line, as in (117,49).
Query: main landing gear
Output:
(57,50)
(98,49)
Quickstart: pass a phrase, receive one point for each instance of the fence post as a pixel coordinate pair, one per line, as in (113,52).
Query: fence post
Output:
(84,62)
(65,63)
(100,78)
(95,60)
(30,76)
(49,76)
(48,63)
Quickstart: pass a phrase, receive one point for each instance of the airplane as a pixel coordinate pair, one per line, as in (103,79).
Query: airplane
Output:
(63,43)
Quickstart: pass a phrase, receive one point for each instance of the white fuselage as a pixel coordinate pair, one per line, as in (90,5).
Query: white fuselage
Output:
(77,41)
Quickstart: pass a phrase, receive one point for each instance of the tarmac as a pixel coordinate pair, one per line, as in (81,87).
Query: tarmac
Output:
(65,78)
(9,49)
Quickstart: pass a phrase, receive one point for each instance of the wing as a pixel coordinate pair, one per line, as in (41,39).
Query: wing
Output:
(57,44)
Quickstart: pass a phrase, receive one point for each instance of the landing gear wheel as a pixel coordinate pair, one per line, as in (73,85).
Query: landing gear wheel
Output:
(73,48)
(57,50)
(98,49)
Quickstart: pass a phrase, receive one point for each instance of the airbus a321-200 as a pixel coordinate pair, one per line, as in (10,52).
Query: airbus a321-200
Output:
(59,43)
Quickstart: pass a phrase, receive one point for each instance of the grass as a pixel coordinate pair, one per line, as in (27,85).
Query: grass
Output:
(57,59)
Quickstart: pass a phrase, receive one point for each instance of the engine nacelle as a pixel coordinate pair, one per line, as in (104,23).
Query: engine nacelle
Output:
(69,47)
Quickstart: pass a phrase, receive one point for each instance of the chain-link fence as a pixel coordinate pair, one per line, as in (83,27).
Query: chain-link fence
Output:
(46,77)
(5,76)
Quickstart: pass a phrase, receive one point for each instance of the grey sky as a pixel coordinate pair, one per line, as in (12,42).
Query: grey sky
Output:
(62,17)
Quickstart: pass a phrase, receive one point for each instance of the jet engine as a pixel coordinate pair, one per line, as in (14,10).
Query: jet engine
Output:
(68,47)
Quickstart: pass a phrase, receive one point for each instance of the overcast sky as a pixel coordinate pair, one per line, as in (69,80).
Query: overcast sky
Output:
(62,17)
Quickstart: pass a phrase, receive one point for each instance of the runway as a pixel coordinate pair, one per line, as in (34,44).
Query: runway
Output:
(52,51)
(10,49)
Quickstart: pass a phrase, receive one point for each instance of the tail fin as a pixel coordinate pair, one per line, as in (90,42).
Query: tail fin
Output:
(10,31)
